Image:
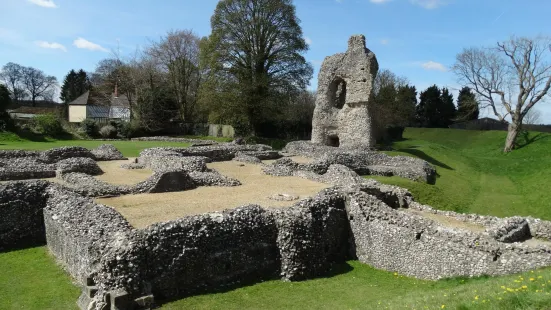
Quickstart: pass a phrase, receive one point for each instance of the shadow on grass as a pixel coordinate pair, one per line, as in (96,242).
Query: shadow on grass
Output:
(526,139)
(23,244)
(424,156)
(31,136)
(337,269)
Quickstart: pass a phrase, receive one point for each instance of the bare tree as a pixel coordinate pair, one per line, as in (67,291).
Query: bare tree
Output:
(386,78)
(178,55)
(533,117)
(514,76)
(12,75)
(38,85)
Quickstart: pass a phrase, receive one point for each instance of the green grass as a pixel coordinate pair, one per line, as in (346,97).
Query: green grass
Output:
(474,176)
(9,141)
(358,286)
(30,279)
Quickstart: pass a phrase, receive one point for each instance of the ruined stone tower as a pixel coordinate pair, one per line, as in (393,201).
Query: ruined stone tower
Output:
(342,117)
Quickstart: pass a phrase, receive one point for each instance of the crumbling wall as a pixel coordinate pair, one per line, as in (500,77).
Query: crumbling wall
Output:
(206,252)
(416,246)
(78,231)
(362,162)
(21,219)
(312,236)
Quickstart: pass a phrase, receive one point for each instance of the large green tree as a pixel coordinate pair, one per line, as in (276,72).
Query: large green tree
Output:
(74,85)
(467,105)
(5,98)
(406,98)
(436,108)
(254,60)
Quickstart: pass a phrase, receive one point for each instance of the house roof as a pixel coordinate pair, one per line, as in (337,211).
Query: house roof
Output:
(89,99)
(81,100)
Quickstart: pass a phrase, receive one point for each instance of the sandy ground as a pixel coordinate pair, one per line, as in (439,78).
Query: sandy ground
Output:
(298,159)
(145,209)
(448,221)
(114,174)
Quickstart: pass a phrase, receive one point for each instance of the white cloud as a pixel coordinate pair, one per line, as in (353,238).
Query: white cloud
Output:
(52,45)
(384,41)
(85,44)
(44,3)
(432,65)
(308,40)
(379,1)
(429,4)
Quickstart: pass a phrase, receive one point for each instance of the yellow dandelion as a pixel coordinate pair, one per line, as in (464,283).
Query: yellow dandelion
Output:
(510,289)
(476,297)
(443,306)
(517,281)
(503,286)
(395,273)
(531,271)
(524,287)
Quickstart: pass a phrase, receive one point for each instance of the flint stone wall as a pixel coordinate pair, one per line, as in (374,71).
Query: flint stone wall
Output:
(219,152)
(78,231)
(362,162)
(417,246)
(345,83)
(21,165)
(21,219)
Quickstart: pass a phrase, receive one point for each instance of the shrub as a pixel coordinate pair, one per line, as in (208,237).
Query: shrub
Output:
(48,124)
(90,127)
(130,129)
(108,132)
(6,123)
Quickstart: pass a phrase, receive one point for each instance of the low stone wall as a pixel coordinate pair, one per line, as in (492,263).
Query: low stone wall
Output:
(364,162)
(22,165)
(21,219)
(312,236)
(219,152)
(78,231)
(193,142)
(416,246)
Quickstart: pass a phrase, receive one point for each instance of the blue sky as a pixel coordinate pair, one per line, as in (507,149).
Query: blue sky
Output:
(418,39)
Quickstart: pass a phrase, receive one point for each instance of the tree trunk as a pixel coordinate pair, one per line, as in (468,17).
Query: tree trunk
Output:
(512,135)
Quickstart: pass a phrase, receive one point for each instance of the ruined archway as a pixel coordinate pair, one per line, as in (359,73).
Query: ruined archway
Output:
(337,93)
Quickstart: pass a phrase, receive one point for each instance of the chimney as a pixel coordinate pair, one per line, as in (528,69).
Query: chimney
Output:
(116,91)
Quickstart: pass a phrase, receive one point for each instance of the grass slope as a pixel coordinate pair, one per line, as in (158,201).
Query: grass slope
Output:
(474,176)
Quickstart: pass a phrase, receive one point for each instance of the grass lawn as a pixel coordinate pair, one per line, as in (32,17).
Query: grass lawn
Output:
(9,141)
(474,176)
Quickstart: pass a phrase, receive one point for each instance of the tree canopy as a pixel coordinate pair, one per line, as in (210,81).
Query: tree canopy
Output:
(467,105)
(254,59)
(436,108)
(74,85)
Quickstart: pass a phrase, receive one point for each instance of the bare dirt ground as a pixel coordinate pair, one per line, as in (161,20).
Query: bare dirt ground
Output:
(145,209)
(297,159)
(114,174)
(448,221)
